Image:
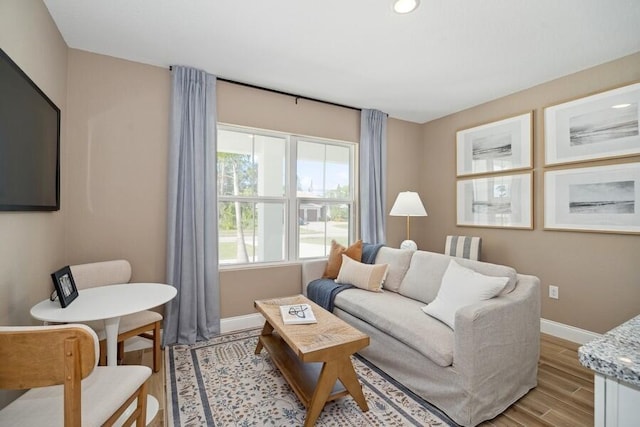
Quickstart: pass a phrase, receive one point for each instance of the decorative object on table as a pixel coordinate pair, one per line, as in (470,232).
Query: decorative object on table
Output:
(602,199)
(260,394)
(297,314)
(408,204)
(57,364)
(503,201)
(145,324)
(463,247)
(595,127)
(65,286)
(499,146)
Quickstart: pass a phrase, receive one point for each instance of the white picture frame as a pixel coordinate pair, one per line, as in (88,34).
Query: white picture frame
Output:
(600,126)
(502,201)
(500,146)
(595,199)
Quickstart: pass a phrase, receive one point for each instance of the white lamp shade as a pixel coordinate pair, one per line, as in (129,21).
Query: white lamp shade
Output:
(408,203)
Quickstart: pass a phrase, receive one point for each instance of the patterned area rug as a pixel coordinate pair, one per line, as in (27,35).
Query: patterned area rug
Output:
(221,382)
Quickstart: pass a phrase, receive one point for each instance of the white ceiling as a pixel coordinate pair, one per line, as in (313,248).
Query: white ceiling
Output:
(445,57)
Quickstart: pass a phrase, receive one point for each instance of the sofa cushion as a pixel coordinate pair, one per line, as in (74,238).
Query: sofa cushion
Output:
(398,260)
(335,257)
(401,318)
(426,270)
(424,276)
(364,276)
(462,286)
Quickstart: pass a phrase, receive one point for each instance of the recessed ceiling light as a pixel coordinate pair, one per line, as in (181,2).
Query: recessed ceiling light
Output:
(405,6)
(621,106)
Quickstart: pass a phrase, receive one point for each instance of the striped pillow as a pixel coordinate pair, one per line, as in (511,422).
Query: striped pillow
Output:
(463,247)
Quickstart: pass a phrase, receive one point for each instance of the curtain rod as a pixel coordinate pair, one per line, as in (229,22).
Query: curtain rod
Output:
(279,92)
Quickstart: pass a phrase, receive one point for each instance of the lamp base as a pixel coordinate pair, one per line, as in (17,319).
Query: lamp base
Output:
(409,244)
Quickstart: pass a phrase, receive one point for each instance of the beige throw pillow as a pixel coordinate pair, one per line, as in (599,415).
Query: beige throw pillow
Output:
(460,287)
(364,276)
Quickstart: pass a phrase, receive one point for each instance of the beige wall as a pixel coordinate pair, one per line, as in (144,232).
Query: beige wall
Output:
(31,243)
(117,143)
(598,274)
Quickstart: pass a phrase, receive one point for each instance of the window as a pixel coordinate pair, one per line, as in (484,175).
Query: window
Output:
(266,215)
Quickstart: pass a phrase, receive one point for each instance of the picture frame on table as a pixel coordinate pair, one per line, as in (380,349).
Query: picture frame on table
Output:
(502,201)
(602,199)
(601,126)
(500,146)
(65,286)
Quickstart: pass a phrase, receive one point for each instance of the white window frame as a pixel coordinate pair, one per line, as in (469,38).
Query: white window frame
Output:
(290,199)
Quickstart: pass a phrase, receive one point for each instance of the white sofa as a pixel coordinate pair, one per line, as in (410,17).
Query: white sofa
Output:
(473,373)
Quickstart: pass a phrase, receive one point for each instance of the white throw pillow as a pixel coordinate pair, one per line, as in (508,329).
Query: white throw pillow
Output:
(364,276)
(460,287)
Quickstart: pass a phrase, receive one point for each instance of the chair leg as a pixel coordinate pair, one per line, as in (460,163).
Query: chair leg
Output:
(156,347)
(103,353)
(120,352)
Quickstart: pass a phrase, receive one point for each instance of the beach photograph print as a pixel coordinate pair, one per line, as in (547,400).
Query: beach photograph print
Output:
(496,201)
(603,198)
(495,147)
(619,121)
(600,126)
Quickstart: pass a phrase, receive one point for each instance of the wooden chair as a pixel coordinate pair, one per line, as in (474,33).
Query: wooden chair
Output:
(58,366)
(145,324)
(463,247)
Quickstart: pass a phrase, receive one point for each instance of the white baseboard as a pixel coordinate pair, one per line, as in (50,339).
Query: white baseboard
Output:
(567,332)
(237,323)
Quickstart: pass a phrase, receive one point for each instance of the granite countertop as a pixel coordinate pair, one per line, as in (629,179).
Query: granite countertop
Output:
(615,354)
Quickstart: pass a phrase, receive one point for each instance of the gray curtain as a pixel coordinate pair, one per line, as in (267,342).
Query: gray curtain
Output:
(373,175)
(192,233)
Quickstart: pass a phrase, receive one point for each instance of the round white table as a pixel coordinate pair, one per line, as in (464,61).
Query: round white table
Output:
(108,303)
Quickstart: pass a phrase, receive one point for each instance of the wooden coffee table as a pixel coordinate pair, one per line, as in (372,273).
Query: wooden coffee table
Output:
(313,357)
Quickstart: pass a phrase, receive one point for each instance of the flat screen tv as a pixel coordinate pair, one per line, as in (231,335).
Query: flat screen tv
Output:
(29,143)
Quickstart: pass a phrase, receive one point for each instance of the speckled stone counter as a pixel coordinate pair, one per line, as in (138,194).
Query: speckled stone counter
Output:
(616,354)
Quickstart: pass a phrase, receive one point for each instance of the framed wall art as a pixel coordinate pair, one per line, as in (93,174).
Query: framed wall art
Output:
(495,147)
(600,199)
(496,201)
(65,286)
(604,125)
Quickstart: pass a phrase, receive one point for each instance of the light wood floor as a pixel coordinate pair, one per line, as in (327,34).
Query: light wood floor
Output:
(564,396)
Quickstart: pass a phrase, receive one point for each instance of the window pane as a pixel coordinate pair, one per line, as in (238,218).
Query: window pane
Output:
(250,165)
(256,235)
(318,224)
(323,170)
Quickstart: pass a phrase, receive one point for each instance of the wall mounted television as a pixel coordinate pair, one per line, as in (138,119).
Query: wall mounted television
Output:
(29,143)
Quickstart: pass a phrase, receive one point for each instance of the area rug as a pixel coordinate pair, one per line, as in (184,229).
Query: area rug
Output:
(221,382)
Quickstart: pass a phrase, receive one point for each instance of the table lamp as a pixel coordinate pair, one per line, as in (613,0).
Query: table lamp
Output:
(408,204)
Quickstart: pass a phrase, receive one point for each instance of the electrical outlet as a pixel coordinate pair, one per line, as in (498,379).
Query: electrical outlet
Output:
(553,292)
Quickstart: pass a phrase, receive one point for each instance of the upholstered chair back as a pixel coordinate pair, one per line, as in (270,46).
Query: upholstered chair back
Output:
(101,273)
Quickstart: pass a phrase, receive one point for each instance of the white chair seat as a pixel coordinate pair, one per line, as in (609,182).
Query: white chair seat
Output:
(103,392)
(127,323)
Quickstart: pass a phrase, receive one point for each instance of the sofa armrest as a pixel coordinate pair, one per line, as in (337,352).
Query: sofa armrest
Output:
(312,270)
(500,338)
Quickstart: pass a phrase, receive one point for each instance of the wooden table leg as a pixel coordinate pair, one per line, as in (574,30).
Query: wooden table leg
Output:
(326,381)
(267,329)
(349,379)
